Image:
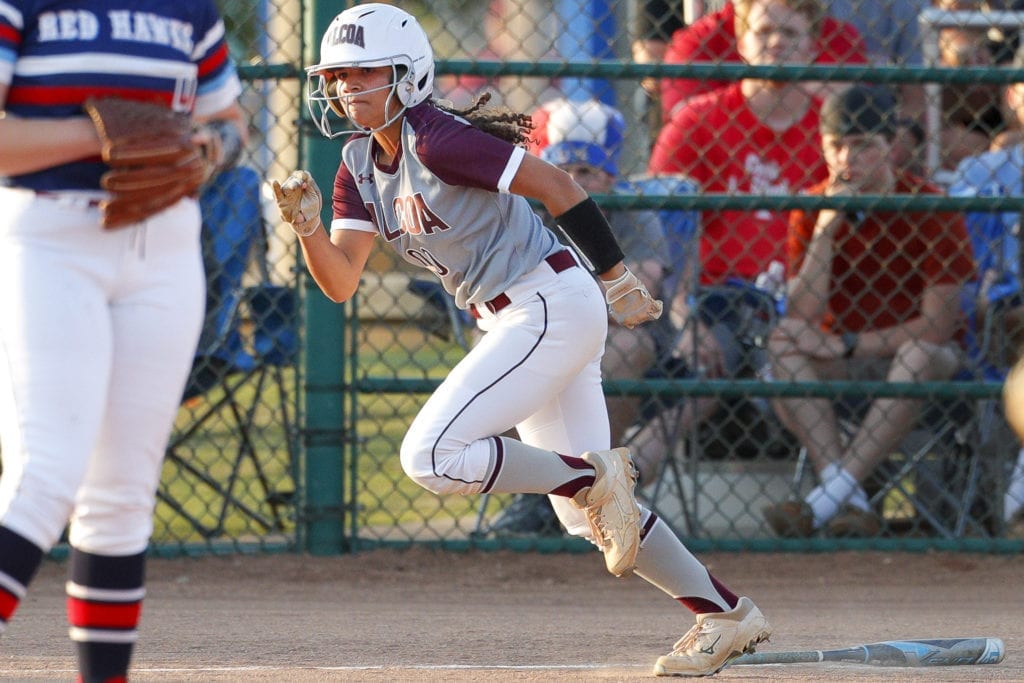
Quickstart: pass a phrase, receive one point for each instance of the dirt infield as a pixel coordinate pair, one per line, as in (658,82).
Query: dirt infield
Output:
(426,615)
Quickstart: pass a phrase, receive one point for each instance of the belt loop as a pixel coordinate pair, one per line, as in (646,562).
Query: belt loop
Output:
(561,261)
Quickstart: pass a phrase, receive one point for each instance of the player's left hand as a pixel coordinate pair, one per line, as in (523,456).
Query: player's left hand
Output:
(220,143)
(629,302)
(210,147)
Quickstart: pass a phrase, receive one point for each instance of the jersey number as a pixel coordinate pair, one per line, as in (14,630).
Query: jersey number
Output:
(427,260)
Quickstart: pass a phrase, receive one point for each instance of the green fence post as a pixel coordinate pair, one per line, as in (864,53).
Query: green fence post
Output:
(324,430)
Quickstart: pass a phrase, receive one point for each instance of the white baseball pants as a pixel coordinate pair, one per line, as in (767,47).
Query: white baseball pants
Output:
(537,369)
(97,334)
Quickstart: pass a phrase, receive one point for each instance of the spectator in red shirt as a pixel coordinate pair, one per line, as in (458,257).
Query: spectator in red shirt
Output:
(873,296)
(752,137)
(712,39)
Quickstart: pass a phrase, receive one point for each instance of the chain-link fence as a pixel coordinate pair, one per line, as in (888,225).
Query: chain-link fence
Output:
(860,400)
(230,476)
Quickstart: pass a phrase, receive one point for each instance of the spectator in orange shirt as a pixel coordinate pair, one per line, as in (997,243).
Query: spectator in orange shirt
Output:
(873,296)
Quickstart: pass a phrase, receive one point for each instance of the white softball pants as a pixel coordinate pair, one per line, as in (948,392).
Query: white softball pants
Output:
(538,369)
(97,333)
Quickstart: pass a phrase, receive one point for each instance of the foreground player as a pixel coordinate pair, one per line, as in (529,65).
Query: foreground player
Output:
(450,197)
(97,327)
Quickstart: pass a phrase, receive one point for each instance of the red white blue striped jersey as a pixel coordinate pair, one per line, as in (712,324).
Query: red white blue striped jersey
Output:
(56,53)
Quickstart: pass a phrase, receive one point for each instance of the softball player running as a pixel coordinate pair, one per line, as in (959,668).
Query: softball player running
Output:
(97,326)
(447,190)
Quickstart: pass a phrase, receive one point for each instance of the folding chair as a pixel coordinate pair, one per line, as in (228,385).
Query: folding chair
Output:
(741,429)
(936,474)
(449,322)
(237,391)
(992,309)
(953,498)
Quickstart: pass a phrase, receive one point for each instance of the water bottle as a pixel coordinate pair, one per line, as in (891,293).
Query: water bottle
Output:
(773,282)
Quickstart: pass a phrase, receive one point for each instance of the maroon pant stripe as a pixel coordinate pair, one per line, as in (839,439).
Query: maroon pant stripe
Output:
(499,460)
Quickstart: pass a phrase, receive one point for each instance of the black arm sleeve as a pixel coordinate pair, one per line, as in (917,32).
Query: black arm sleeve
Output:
(588,229)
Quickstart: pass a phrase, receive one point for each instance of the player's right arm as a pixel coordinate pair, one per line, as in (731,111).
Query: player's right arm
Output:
(336,262)
(629,302)
(808,290)
(559,193)
(29,145)
(548,184)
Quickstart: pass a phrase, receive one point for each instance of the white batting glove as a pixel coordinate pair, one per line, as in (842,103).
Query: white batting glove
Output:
(629,302)
(300,202)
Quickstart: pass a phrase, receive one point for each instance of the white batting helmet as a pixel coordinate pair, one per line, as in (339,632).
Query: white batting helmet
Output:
(367,36)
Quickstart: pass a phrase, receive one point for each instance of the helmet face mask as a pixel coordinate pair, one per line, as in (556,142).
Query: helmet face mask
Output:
(368,36)
(328,96)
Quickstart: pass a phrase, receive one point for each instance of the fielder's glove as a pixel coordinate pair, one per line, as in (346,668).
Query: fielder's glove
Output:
(629,302)
(300,201)
(152,157)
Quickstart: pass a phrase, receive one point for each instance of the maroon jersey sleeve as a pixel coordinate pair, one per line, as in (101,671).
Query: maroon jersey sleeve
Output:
(456,152)
(346,201)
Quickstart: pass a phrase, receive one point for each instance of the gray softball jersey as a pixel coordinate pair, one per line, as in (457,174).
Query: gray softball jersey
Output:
(444,204)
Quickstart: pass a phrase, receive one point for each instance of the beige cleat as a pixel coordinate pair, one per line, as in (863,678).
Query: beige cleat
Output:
(612,509)
(714,641)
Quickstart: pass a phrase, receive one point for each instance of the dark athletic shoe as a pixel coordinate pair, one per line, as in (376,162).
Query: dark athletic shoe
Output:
(791,519)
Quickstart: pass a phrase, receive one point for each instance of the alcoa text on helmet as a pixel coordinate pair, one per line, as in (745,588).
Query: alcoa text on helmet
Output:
(368,36)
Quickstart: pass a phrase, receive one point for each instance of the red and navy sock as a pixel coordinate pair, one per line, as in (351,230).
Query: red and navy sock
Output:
(104,603)
(19,560)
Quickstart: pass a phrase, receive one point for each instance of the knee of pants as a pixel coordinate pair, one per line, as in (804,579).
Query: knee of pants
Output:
(35,509)
(428,464)
(110,527)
